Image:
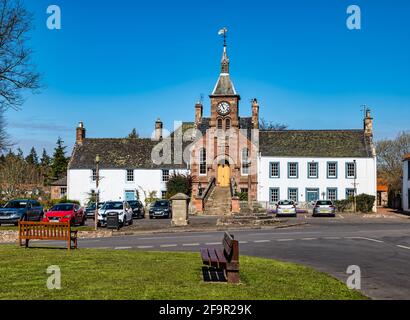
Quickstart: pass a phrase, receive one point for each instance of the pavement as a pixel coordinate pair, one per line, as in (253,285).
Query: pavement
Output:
(379,246)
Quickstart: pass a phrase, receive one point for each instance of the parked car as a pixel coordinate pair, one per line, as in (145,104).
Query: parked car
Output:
(138,210)
(19,210)
(286,208)
(324,208)
(160,209)
(66,212)
(90,210)
(121,207)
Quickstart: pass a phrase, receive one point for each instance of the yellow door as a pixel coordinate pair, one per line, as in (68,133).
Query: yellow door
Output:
(224,175)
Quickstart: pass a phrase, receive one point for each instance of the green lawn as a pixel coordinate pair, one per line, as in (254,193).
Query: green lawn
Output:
(108,274)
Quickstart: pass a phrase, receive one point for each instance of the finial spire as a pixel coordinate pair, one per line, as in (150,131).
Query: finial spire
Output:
(225,59)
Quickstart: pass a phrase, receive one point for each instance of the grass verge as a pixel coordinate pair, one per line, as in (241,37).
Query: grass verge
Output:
(134,275)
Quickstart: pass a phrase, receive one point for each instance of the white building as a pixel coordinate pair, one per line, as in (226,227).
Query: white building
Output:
(125,168)
(406,183)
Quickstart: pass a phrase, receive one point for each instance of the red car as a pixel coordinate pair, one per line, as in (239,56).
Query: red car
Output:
(65,212)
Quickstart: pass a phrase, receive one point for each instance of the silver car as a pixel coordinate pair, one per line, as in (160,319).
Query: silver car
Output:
(123,209)
(286,208)
(324,208)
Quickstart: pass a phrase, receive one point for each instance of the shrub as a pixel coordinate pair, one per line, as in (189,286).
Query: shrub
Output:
(179,183)
(344,205)
(243,196)
(365,203)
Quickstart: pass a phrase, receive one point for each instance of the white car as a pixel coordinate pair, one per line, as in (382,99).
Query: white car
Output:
(286,208)
(123,209)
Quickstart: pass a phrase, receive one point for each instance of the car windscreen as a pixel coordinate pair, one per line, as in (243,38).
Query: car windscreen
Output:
(113,206)
(285,203)
(133,204)
(324,203)
(62,207)
(161,204)
(16,204)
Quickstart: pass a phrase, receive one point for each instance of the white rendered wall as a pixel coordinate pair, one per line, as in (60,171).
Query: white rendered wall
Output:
(406,186)
(113,184)
(366,177)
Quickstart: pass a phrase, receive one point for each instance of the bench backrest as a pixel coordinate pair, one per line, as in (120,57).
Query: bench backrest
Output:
(44,230)
(231,248)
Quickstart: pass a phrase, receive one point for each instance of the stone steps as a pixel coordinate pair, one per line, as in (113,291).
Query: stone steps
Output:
(219,202)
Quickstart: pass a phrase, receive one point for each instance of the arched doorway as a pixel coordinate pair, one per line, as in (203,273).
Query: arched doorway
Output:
(224,174)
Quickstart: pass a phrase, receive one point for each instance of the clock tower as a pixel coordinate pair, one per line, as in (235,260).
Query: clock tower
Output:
(224,98)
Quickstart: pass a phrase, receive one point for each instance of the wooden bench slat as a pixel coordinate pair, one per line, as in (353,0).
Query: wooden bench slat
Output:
(205,256)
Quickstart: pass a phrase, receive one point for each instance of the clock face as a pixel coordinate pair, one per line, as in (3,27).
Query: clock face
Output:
(223,108)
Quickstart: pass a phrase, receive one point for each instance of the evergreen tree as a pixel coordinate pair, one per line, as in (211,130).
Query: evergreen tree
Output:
(20,154)
(59,162)
(134,134)
(45,160)
(32,157)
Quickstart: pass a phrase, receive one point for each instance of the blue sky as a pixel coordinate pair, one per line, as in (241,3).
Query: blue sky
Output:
(121,64)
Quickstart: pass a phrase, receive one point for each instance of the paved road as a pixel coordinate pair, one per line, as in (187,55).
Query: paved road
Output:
(381,247)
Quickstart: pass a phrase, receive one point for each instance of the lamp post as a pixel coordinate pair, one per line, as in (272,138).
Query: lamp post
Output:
(97,191)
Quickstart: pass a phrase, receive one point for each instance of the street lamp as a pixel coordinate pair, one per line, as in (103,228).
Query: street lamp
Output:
(97,179)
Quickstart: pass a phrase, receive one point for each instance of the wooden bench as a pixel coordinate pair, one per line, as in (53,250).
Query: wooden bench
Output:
(225,258)
(47,231)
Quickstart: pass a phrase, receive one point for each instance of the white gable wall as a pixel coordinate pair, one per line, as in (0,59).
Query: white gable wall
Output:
(366,177)
(406,186)
(113,183)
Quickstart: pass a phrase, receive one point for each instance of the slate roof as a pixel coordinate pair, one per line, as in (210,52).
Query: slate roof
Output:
(60,183)
(315,143)
(224,86)
(123,153)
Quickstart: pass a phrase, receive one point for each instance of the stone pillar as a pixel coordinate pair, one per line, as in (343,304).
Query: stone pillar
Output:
(180,210)
(235,205)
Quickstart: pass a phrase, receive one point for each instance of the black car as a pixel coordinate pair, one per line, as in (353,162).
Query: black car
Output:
(160,209)
(138,210)
(90,210)
(19,210)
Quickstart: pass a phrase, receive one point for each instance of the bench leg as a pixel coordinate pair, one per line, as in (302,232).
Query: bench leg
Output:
(232,276)
(27,240)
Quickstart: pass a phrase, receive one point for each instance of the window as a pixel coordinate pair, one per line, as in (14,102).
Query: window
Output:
(274,195)
(244,190)
(94,175)
(313,170)
(350,193)
(332,170)
(408,170)
(228,124)
(245,161)
(130,175)
(163,194)
(293,170)
(165,175)
(351,170)
(202,162)
(332,194)
(63,192)
(293,194)
(274,169)
(220,125)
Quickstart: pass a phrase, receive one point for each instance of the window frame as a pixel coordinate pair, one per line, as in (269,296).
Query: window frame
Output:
(336,194)
(336,169)
(297,170)
(202,162)
(165,175)
(271,164)
(317,170)
(271,193)
(129,173)
(246,164)
(350,189)
(297,194)
(347,170)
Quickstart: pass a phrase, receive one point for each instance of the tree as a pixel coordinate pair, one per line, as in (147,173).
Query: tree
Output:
(45,160)
(32,157)
(20,154)
(17,72)
(271,126)
(390,155)
(4,139)
(179,183)
(134,134)
(59,162)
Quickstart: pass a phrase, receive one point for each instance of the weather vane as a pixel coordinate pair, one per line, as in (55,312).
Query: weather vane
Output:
(223,32)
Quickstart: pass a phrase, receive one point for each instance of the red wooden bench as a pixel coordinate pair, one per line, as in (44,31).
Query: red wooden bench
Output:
(47,231)
(225,258)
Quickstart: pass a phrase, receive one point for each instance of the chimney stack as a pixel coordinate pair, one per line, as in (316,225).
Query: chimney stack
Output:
(255,114)
(368,124)
(80,133)
(199,109)
(158,129)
